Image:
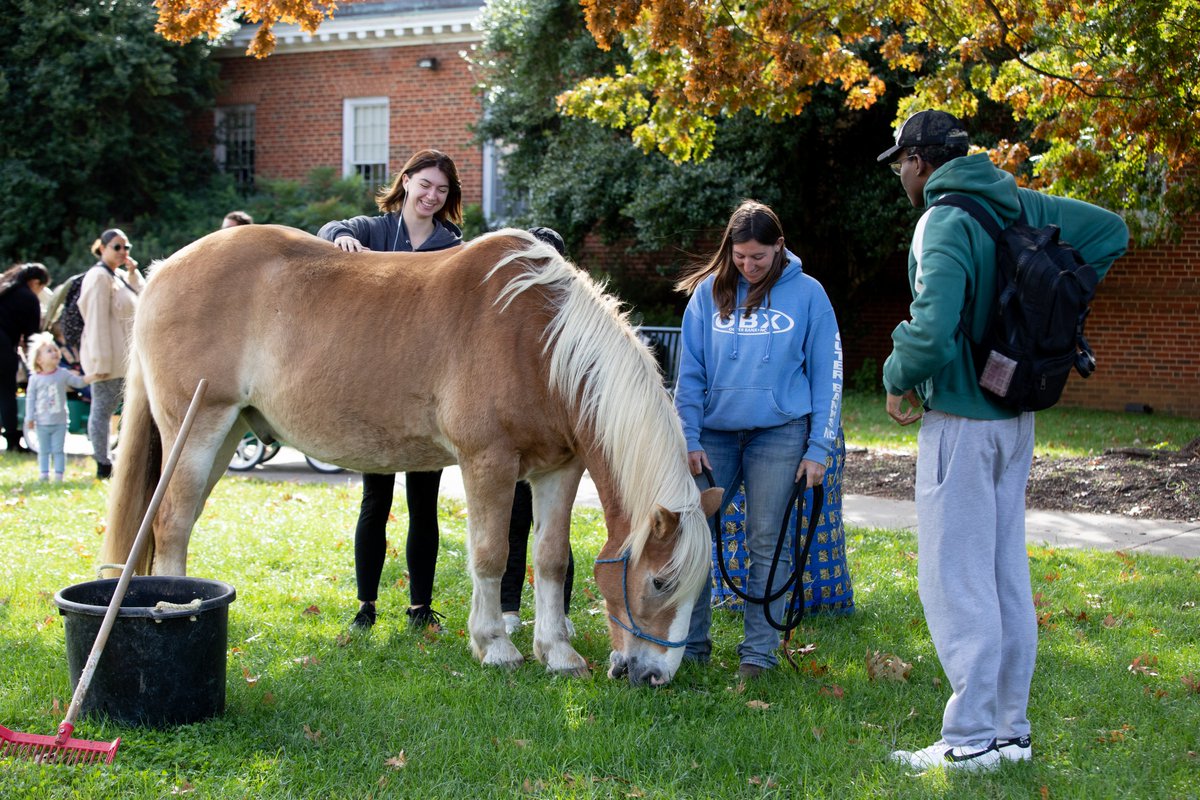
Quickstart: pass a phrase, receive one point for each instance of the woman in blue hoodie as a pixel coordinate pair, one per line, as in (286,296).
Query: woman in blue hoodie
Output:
(760,390)
(421,209)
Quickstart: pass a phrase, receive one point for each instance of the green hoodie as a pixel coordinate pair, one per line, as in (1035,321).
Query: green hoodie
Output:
(952,267)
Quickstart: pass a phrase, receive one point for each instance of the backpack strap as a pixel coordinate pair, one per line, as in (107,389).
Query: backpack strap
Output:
(989,224)
(977,211)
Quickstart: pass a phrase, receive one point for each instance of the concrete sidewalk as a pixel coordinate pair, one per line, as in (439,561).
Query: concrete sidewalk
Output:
(1050,528)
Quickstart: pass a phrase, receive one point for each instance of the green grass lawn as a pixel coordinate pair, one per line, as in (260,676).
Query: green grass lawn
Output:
(313,712)
(1061,432)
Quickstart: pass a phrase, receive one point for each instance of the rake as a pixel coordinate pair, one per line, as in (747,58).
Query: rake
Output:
(62,749)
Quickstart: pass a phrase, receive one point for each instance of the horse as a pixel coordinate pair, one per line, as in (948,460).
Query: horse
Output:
(498,355)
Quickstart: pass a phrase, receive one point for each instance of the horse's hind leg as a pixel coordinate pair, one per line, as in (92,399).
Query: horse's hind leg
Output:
(201,463)
(553,496)
(490,487)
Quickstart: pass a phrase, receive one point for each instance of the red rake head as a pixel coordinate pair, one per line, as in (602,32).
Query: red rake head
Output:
(48,749)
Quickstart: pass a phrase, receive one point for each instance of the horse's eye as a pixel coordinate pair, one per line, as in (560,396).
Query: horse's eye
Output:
(659,584)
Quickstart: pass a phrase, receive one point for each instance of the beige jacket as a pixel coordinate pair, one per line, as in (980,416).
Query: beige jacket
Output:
(107,307)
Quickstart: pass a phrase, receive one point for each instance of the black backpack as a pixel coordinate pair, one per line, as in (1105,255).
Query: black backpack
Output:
(63,311)
(1034,334)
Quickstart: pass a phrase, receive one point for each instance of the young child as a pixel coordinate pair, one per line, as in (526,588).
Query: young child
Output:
(46,402)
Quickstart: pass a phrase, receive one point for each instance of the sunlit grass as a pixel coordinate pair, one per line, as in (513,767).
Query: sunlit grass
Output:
(1061,432)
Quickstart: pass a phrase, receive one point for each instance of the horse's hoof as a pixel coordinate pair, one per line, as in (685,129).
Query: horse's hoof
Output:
(576,672)
(502,653)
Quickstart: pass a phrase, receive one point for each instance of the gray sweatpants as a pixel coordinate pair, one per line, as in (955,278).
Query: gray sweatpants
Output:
(973,570)
(106,396)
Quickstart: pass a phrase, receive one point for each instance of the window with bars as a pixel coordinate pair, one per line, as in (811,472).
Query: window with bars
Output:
(235,144)
(365,132)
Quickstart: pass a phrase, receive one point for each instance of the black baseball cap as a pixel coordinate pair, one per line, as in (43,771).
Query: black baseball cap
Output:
(550,237)
(925,128)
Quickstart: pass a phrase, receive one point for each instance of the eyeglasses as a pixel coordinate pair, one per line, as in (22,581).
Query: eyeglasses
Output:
(119,247)
(895,165)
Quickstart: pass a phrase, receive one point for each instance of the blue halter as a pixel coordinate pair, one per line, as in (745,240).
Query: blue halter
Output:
(632,627)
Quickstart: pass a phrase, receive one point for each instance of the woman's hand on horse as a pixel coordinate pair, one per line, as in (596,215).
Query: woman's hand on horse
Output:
(811,472)
(697,460)
(350,244)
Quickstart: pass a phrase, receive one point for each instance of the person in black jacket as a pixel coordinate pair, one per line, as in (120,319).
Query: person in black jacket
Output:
(20,317)
(422,210)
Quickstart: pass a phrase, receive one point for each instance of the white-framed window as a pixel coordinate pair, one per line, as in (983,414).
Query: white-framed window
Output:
(500,205)
(234,126)
(365,132)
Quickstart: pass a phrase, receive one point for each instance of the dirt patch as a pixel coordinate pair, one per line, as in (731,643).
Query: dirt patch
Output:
(1134,483)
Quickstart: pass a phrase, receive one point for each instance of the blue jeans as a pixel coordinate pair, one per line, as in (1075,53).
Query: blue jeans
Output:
(769,458)
(52,441)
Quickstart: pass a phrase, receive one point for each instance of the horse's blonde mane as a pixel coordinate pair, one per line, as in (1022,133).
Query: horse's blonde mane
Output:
(596,360)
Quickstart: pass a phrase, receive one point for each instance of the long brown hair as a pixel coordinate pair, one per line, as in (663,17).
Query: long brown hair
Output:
(392,198)
(750,221)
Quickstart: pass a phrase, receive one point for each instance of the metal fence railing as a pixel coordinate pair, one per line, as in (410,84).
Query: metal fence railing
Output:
(664,344)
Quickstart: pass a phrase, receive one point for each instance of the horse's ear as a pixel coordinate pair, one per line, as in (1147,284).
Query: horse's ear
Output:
(710,500)
(663,523)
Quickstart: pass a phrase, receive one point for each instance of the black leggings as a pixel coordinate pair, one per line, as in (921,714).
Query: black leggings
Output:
(518,542)
(8,391)
(370,536)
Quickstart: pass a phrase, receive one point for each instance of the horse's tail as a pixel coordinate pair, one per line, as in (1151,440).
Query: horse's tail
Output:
(135,475)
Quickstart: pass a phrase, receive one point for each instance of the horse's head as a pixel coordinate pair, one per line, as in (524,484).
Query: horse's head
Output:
(650,593)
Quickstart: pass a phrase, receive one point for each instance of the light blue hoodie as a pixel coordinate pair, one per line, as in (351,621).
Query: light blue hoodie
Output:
(782,364)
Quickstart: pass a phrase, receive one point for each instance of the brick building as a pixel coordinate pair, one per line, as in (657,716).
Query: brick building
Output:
(383,79)
(374,84)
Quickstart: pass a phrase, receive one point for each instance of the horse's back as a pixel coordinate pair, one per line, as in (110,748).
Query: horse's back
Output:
(395,346)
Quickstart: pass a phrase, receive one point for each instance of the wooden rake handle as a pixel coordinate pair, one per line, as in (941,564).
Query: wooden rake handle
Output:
(114,605)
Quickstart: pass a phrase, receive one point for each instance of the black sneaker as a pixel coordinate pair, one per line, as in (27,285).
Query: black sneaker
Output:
(424,617)
(1017,749)
(365,617)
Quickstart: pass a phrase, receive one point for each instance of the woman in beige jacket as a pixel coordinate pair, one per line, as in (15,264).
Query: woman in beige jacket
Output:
(107,300)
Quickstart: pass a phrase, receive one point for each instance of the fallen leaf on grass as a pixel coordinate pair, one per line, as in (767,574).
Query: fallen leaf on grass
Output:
(818,733)
(46,623)
(1114,736)
(804,650)
(1111,622)
(1192,683)
(184,788)
(887,667)
(250,679)
(268,699)
(521,742)
(342,639)
(1038,601)
(1044,792)
(768,782)
(398,761)
(306,661)
(311,611)
(814,669)
(758,704)
(1145,665)
(1051,577)
(311,735)
(834,691)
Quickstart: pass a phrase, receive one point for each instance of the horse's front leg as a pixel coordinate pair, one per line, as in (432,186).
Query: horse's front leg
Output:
(553,496)
(489,499)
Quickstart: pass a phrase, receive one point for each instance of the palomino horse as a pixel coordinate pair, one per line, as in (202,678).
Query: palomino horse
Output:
(498,356)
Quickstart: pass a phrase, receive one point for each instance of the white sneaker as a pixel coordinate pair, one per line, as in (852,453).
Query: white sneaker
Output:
(512,622)
(1016,749)
(940,754)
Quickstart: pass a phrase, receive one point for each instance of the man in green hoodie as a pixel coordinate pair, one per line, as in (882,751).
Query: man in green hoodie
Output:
(973,454)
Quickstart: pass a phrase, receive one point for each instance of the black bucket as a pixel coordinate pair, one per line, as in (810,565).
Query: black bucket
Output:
(161,666)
